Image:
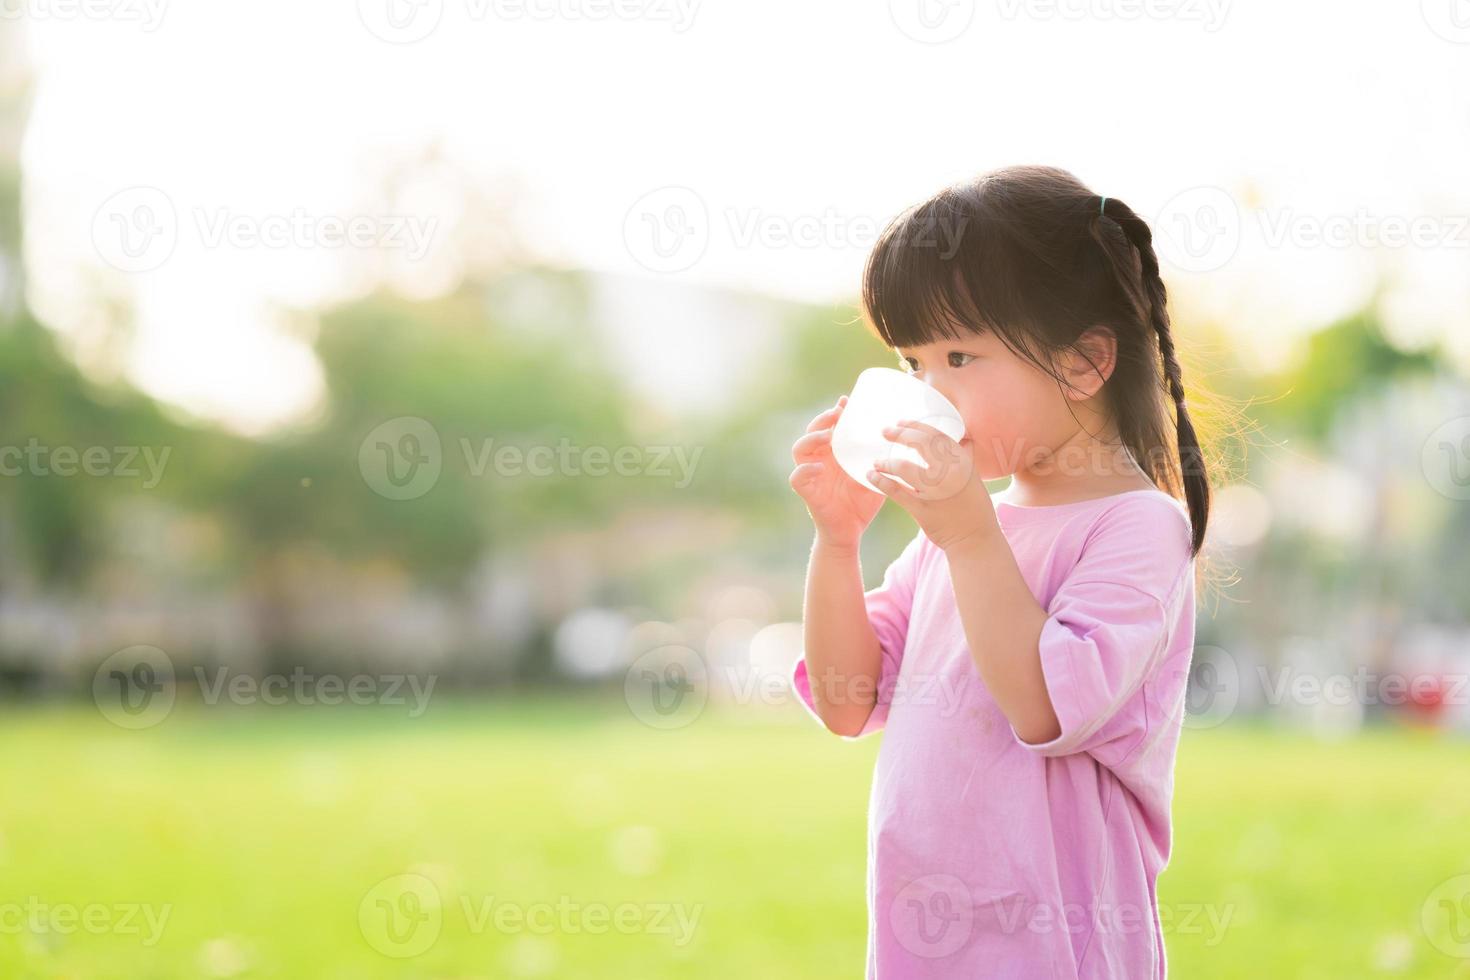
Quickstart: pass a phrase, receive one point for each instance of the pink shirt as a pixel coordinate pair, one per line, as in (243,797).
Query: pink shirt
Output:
(989,857)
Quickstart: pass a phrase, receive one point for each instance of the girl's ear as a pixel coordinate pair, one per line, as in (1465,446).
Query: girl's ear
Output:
(1089,362)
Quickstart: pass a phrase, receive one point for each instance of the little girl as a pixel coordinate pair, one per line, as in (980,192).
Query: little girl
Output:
(1027,654)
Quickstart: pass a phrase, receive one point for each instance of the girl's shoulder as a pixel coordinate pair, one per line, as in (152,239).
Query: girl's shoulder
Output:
(1136,535)
(1134,504)
(1143,540)
(1153,514)
(1151,501)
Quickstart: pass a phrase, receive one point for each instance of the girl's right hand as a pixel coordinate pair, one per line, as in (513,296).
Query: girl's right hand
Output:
(841,507)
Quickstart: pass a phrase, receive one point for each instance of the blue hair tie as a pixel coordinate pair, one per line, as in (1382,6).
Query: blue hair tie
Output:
(1101,204)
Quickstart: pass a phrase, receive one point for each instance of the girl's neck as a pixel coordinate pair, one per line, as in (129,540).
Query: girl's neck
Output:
(1082,468)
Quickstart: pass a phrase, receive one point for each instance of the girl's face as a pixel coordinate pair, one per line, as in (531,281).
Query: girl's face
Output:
(1014,412)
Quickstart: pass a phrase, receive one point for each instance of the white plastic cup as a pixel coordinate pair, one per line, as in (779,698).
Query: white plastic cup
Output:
(879,399)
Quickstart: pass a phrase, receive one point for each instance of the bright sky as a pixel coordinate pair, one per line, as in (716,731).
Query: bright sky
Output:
(215,160)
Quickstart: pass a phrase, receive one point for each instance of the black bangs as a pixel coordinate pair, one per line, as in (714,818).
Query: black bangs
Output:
(909,287)
(936,273)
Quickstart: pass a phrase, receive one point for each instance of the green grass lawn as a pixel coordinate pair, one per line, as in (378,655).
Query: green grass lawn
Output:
(731,848)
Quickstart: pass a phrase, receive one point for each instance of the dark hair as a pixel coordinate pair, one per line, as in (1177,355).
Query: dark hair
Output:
(1032,255)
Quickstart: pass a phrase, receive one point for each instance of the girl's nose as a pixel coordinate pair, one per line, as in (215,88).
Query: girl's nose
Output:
(937,388)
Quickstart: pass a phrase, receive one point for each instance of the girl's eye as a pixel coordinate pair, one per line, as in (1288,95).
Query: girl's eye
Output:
(913,365)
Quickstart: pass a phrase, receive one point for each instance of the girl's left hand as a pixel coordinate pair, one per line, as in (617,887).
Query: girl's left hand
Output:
(948,499)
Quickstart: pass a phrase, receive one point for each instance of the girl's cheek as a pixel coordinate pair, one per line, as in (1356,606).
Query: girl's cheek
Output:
(973,424)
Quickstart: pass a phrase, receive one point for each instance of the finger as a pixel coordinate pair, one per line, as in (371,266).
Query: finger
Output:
(921,426)
(892,489)
(811,445)
(805,475)
(826,420)
(933,446)
(909,472)
(924,430)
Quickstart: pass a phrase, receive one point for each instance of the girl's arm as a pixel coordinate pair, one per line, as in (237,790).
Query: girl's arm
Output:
(1002,619)
(842,651)
(1003,622)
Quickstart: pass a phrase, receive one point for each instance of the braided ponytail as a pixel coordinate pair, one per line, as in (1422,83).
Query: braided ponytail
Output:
(1154,299)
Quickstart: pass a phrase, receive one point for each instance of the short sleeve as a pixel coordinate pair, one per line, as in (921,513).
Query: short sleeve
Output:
(1108,628)
(888,608)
